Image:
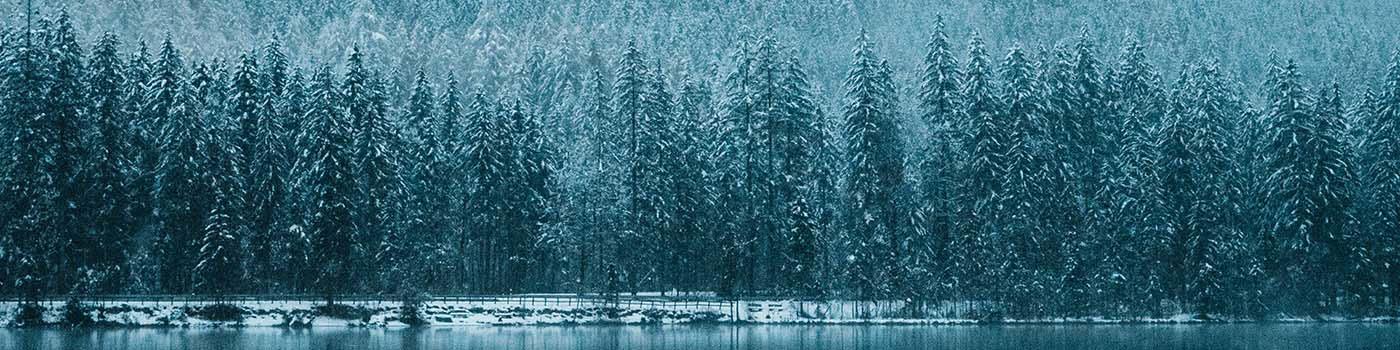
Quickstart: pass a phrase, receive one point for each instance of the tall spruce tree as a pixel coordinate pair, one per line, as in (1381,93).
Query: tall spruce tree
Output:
(1197,170)
(64,116)
(332,185)
(260,153)
(1014,208)
(1307,192)
(427,213)
(797,133)
(376,165)
(448,253)
(1133,198)
(32,182)
(632,107)
(486,159)
(940,101)
(111,198)
(1380,168)
(876,176)
(182,191)
(980,185)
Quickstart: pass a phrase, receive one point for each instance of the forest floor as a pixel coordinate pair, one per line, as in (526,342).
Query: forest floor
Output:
(557,310)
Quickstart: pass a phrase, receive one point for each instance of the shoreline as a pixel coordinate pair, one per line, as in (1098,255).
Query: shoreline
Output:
(435,314)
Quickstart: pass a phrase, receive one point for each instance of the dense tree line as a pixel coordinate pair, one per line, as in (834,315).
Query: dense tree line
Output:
(1057,181)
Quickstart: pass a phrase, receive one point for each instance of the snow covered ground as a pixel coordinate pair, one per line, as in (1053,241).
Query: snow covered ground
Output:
(540,311)
(387,313)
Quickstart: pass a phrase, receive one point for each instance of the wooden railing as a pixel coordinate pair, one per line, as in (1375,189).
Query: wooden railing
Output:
(523,300)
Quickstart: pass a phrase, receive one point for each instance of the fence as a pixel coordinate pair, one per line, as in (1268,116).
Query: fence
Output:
(758,309)
(556,301)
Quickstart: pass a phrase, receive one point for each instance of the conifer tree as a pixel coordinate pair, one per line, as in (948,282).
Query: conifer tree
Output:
(333,187)
(32,182)
(1197,169)
(376,166)
(426,214)
(659,158)
(631,103)
(1015,206)
(797,132)
(294,258)
(182,190)
(487,158)
(109,207)
(690,185)
(1134,199)
(1380,167)
(876,175)
(1307,191)
(533,205)
(219,267)
(985,147)
(144,134)
(259,153)
(594,205)
(940,102)
(63,116)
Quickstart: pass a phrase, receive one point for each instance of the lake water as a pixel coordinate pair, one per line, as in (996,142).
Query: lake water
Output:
(691,337)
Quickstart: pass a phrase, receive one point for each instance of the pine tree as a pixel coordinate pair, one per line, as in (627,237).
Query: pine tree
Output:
(1380,168)
(1307,192)
(630,103)
(797,131)
(9,127)
(1197,170)
(109,207)
(876,175)
(65,112)
(449,131)
(427,215)
(691,188)
(659,162)
(293,258)
(333,187)
(182,191)
(32,181)
(981,185)
(941,103)
(376,166)
(219,269)
(1014,207)
(533,205)
(1083,142)
(280,103)
(1135,206)
(1336,213)
(486,159)
(594,201)
(260,152)
(144,135)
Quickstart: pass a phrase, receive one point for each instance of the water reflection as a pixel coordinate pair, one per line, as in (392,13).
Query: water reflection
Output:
(726,337)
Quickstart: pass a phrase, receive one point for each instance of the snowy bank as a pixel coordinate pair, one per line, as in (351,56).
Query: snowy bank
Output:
(354,314)
(552,311)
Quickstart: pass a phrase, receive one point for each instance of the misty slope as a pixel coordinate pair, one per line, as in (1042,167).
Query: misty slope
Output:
(1333,39)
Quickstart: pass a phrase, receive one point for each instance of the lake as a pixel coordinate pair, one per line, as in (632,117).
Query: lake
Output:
(1335,336)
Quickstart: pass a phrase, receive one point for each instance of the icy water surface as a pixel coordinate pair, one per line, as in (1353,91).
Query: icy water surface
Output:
(785,337)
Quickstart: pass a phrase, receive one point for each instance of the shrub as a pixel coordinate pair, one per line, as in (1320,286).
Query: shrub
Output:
(342,311)
(75,314)
(218,313)
(30,314)
(411,310)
